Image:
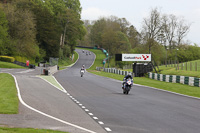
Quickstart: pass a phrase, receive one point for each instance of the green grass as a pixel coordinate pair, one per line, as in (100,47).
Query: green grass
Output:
(51,80)
(8,95)
(65,63)
(9,65)
(173,71)
(26,130)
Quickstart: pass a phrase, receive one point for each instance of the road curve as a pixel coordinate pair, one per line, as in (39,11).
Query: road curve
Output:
(44,106)
(145,110)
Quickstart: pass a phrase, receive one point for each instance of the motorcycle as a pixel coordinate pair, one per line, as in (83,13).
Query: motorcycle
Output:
(127,86)
(82,72)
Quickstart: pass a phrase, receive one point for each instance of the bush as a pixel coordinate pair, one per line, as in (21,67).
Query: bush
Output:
(7,58)
(24,59)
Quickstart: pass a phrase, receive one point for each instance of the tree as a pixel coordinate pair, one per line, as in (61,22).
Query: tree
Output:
(115,42)
(22,31)
(152,27)
(134,36)
(170,27)
(3,32)
(97,32)
(182,30)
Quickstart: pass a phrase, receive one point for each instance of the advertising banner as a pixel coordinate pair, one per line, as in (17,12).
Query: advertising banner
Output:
(136,57)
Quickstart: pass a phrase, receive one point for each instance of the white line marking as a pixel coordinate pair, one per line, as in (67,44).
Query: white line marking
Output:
(80,104)
(86,110)
(108,129)
(62,121)
(95,118)
(90,114)
(83,107)
(100,122)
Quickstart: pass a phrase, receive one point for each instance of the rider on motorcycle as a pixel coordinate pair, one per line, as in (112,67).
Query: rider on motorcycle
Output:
(83,68)
(127,77)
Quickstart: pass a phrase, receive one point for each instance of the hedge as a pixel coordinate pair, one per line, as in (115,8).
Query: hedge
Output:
(24,59)
(7,58)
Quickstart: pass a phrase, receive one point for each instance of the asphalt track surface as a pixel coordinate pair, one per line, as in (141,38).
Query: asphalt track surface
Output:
(43,97)
(144,110)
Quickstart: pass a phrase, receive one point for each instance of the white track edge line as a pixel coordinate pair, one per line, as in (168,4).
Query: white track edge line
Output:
(62,121)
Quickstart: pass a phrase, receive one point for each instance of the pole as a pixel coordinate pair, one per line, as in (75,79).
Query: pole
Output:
(166,57)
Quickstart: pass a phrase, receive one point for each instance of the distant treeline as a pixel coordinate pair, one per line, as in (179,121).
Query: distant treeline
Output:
(162,35)
(39,29)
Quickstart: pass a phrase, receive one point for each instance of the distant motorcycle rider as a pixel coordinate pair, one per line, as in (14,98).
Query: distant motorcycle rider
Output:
(127,77)
(83,68)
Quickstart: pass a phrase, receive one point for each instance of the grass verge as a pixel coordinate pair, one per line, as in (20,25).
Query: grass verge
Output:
(63,64)
(8,95)
(9,65)
(172,71)
(26,130)
(51,80)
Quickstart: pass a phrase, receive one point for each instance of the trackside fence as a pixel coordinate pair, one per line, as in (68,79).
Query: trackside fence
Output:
(113,70)
(192,81)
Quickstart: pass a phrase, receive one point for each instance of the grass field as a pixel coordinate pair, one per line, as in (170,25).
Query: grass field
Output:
(9,65)
(173,71)
(26,130)
(8,95)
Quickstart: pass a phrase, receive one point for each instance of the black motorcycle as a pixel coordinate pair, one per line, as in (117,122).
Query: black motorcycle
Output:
(127,86)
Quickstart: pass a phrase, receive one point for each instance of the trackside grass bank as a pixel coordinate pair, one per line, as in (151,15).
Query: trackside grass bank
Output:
(8,95)
(26,130)
(173,87)
(9,65)
(63,64)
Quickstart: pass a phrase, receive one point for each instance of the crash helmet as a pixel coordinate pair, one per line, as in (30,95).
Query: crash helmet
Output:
(129,74)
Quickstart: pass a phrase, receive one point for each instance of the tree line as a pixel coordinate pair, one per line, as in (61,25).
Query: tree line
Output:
(162,35)
(39,29)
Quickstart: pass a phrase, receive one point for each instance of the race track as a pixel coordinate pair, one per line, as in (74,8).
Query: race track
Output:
(144,110)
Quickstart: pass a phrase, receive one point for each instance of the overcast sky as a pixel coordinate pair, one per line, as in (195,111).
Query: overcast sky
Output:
(136,10)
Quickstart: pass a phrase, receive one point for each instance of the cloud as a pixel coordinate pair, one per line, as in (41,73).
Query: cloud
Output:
(94,13)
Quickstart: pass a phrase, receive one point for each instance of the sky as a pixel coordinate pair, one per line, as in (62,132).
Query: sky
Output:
(136,10)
